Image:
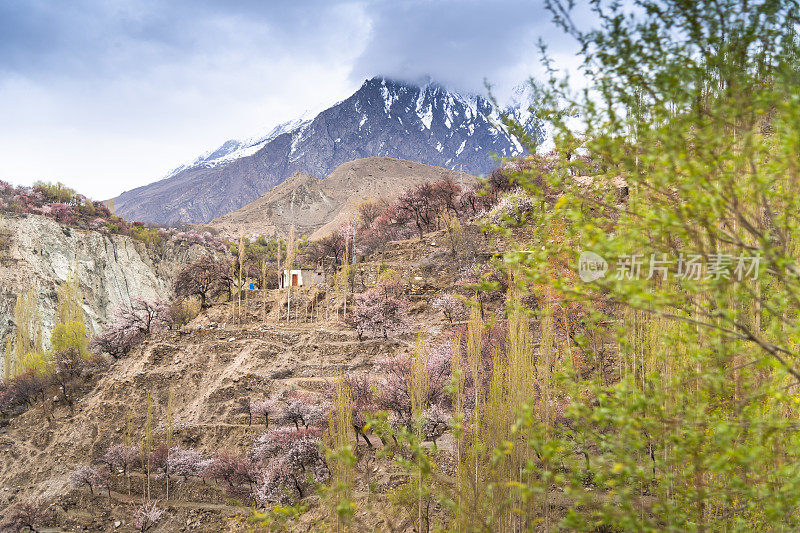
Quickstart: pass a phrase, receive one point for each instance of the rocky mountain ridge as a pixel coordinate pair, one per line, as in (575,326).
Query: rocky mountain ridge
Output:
(318,207)
(423,123)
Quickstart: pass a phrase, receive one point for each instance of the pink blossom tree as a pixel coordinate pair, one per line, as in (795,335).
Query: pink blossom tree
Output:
(130,324)
(186,463)
(24,516)
(262,409)
(69,374)
(120,458)
(381,309)
(205,278)
(295,412)
(231,469)
(90,476)
(62,213)
(436,422)
(301,462)
(451,307)
(275,442)
(394,396)
(272,484)
(29,386)
(157,461)
(363,401)
(420,206)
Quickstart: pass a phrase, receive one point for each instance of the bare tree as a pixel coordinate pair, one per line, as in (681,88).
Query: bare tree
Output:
(419,206)
(205,278)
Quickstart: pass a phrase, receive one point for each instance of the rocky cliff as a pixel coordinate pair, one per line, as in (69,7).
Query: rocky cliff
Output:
(39,253)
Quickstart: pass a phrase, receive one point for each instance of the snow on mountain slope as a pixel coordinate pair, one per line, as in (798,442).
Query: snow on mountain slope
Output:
(234,149)
(419,122)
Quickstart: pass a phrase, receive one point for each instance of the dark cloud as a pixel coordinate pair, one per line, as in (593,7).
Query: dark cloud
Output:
(100,38)
(459,43)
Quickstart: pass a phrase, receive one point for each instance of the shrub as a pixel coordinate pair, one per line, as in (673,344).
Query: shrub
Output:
(55,192)
(452,308)
(24,516)
(183,311)
(146,516)
(146,235)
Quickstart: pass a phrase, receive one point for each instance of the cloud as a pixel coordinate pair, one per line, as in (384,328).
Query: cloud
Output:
(107,95)
(460,43)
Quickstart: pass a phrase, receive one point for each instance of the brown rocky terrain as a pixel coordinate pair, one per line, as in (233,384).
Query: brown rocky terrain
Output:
(206,369)
(319,207)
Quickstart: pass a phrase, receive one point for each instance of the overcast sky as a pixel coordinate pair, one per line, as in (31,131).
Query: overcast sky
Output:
(106,95)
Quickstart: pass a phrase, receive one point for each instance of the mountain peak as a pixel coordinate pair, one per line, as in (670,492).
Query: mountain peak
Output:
(422,122)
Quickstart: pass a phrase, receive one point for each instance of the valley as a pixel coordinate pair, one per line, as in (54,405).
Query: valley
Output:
(572,305)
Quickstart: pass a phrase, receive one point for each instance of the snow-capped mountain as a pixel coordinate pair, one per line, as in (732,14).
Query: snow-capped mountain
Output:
(425,123)
(234,149)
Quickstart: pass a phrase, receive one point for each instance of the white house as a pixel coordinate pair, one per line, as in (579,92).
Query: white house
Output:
(302,277)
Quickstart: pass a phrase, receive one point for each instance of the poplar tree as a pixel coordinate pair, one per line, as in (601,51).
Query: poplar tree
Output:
(28,346)
(681,174)
(289,266)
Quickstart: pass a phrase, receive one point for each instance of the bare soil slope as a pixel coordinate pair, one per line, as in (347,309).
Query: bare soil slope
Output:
(208,368)
(319,207)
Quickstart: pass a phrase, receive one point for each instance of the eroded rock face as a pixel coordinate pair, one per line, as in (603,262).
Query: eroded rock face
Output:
(39,253)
